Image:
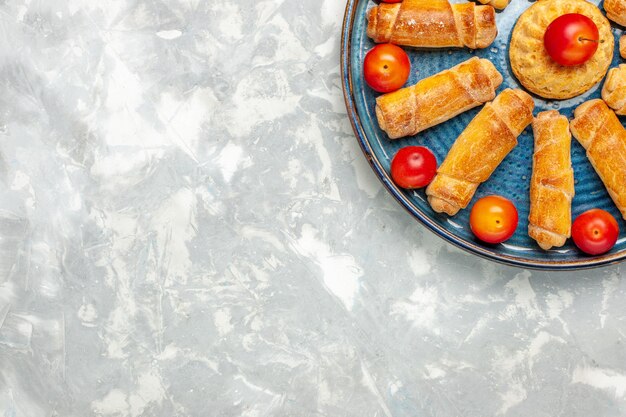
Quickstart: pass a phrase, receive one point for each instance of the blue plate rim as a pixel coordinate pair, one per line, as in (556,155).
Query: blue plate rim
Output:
(423,218)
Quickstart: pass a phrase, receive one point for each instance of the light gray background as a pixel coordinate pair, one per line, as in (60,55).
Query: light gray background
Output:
(188,228)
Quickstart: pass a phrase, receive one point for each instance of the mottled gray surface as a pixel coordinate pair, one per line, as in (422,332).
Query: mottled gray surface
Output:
(188,228)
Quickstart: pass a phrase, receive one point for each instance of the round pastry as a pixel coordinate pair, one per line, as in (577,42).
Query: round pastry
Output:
(534,68)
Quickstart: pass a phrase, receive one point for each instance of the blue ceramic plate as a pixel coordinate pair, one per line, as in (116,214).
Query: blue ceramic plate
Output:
(512,177)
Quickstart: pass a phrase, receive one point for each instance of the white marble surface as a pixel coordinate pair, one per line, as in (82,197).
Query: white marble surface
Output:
(188,228)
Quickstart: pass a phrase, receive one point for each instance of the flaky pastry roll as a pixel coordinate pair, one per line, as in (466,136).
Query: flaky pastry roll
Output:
(616,11)
(437,98)
(498,4)
(478,151)
(600,132)
(552,181)
(432,24)
(614,89)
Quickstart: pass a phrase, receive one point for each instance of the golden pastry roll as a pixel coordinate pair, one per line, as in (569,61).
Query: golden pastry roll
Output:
(437,98)
(600,132)
(552,181)
(622,46)
(432,24)
(616,11)
(478,151)
(498,4)
(614,89)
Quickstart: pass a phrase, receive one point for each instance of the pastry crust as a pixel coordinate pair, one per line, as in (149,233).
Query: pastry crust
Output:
(432,24)
(498,4)
(437,98)
(616,11)
(622,46)
(552,181)
(534,68)
(614,89)
(478,151)
(600,132)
